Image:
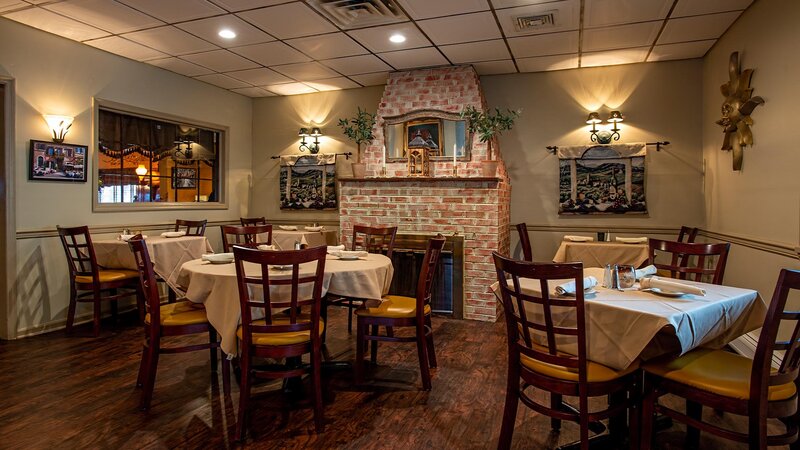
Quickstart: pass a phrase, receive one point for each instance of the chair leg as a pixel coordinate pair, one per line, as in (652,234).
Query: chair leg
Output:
(226,375)
(647,416)
(96,315)
(150,376)
(555,403)
(143,365)
(350,316)
(360,344)
(323,314)
(431,352)
(73,303)
(510,410)
(695,411)
(244,396)
(422,350)
(212,341)
(114,308)
(373,351)
(634,432)
(316,375)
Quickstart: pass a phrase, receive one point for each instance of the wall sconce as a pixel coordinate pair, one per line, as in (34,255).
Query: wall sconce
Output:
(312,148)
(604,136)
(186,153)
(59,126)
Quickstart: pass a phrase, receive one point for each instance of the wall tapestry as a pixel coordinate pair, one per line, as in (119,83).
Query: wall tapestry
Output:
(308,182)
(602,179)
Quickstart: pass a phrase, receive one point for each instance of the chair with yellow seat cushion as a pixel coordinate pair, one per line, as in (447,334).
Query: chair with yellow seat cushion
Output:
(173,319)
(536,355)
(399,311)
(731,383)
(290,336)
(90,283)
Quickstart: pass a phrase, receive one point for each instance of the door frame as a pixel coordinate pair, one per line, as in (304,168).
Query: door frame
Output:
(8,229)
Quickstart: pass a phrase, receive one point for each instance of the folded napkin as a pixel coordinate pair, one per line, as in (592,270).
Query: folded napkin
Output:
(212,257)
(632,240)
(572,238)
(266,247)
(670,286)
(288,227)
(569,288)
(173,233)
(646,272)
(344,254)
(320,228)
(335,248)
(128,237)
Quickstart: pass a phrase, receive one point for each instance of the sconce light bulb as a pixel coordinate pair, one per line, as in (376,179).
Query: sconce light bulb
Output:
(59,126)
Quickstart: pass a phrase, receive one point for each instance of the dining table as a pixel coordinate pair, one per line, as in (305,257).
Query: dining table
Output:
(167,253)
(625,325)
(215,286)
(599,253)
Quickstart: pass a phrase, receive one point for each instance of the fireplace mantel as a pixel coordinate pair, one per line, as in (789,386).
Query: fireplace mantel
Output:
(422,179)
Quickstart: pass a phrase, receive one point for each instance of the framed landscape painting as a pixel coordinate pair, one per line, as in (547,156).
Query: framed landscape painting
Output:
(57,162)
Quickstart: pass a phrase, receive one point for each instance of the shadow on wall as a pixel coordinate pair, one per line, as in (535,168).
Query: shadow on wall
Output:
(33,294)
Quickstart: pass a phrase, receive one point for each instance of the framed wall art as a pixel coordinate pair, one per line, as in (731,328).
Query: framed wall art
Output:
(425,133)
(184,178)
(308,182)
(57,162)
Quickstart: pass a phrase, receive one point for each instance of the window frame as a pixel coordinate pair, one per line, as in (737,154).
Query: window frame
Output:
(222,197)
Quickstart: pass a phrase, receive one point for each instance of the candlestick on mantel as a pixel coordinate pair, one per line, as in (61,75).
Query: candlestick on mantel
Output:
(384,158)
(455,169)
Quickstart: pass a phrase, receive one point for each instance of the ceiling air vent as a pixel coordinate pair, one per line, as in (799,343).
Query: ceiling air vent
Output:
(536,22)
(350,14)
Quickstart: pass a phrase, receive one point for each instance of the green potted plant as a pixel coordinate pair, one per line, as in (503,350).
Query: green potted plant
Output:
(487,125)
(359,130)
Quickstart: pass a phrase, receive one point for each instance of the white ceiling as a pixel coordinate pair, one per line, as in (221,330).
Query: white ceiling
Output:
(289,47)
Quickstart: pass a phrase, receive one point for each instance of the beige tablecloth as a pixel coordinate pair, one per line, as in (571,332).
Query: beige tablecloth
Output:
(167,254)
(215,286)
(286,239)
(622,326)
(598,254)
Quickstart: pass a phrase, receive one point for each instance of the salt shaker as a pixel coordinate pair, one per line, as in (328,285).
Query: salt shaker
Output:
(607,277)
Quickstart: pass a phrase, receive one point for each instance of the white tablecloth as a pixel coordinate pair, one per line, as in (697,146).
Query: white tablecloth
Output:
(598,254)
(286,239)
(215,286)
(622,326)
(167,254)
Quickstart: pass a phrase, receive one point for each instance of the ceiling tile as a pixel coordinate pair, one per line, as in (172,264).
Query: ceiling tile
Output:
(463,28)
(170,40)
(621,36)
(476,51)
(180,66)
(377,38)
(126,48)
(290,88)
(306,71)
(110,16)
(614,57)
(239,5)
(372,79)
(683,50)
(221,61)
(288,21)
(357,64)
(567,17)
(56,24)
(327,46)
(601,13)
(544,63)
(694,8)
(494,67)
(223,81)
(697,28)
(208,29)
(10,5)
(332,84)
(259,77)
(544,44)
(418,57)
(175,10)
(426,9)
(253,92)
(500,4)
(271,53)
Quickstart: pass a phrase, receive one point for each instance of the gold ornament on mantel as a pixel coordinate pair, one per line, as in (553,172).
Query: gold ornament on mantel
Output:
(419,164)
(736,110)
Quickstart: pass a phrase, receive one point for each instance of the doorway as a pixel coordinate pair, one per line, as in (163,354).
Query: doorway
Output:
(7,228)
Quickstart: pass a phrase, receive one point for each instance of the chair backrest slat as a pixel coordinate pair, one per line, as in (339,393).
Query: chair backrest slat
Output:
(147,280)
(374,239)
(191,227)
(245,235)
(428,272)
(253,221)
(525,241)
(690,259)
(77,243)
(687,234)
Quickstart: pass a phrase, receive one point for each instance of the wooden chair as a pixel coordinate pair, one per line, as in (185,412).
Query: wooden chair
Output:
(536,352)
(88,282)
(734,384)
(371,240)
(253,221)
(400,311)
(192,227)
(282,335)
(173,319)
(687,234)
(247,236)
(525,241)
(688,260)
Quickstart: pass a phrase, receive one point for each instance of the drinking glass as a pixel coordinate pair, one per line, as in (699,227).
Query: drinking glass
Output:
(627,275)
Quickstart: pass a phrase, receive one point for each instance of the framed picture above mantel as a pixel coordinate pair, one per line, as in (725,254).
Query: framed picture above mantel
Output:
(50,161)
(441,133)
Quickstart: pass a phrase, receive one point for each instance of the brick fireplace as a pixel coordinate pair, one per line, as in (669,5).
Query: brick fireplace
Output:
(473,206)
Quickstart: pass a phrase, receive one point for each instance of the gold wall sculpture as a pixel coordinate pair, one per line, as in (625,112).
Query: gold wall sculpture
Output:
(736,109)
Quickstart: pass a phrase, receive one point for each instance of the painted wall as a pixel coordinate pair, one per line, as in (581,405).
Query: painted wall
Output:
(763,200)
(54,75)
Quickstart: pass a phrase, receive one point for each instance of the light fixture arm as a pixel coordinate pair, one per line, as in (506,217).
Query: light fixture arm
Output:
(311,147)
(605,136)
(185,154)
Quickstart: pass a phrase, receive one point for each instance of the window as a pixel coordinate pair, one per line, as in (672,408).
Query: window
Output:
(145,160)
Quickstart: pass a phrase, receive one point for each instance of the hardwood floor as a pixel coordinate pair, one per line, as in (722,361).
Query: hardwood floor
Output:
(78,392)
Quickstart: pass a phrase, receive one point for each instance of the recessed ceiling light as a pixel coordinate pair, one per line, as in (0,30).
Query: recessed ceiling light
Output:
(397,38)
(227,33)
